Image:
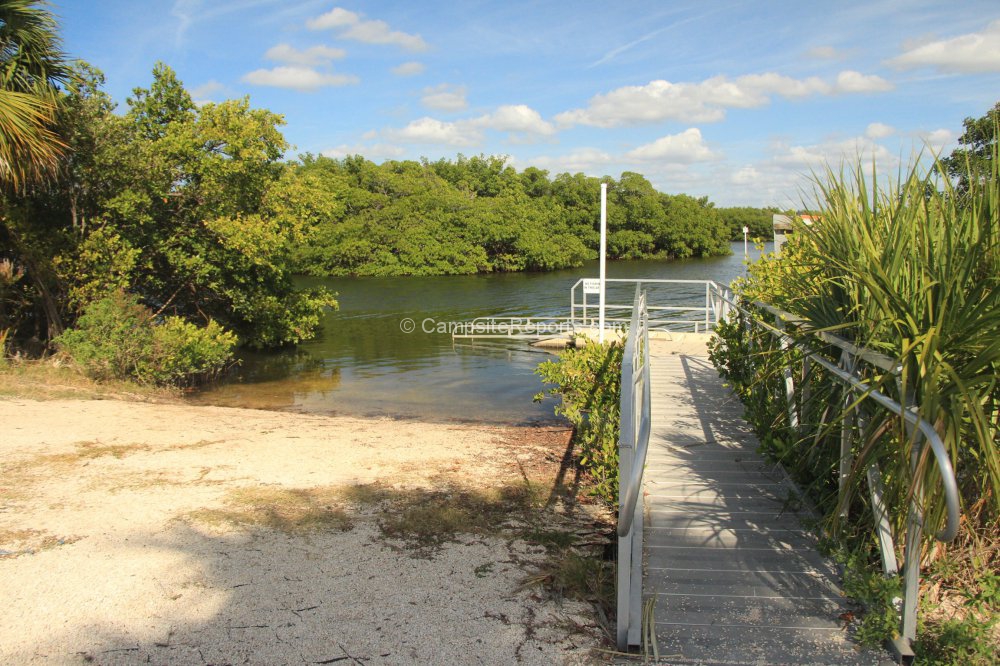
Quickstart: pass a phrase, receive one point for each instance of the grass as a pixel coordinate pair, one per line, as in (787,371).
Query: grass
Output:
(288,510)
(50,379)
(427,518)
(15,543)
(567,574)
(18,474)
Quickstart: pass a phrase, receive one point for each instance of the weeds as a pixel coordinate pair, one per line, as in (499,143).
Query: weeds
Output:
(289,510)
(569,575)
(426,519)
(50,379)
(15,543)
(589,381)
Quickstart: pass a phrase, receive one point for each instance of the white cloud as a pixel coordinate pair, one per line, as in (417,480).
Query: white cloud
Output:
(707,101)
(517,118)
(939,138)
(824,53)
(408,69)
(974,52)
(183,11)
(747,175)
(879,131)
(581,160)
(431,130)
(202,94)
(350,25)
(521,122)
(374,151)
(314,55)
(335,18)
(298,78)
(835,152)
(444,97)
(855,82)
(686,147)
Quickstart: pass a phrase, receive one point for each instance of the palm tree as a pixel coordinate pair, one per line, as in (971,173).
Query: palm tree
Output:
(32,64)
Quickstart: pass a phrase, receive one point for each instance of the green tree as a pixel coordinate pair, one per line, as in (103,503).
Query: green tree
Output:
(32,65)
(973,159)
(758,220)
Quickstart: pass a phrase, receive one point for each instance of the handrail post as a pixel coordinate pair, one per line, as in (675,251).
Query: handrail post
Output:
(846,426)
(708,296)
(914,537)
(786,347)
(625,554)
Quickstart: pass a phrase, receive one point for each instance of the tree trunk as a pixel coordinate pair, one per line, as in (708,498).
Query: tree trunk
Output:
(54,324)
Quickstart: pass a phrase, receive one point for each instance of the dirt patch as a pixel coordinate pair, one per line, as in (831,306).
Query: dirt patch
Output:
(176,534)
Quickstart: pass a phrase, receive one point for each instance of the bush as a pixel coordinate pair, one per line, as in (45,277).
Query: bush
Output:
(119,338)
(589,381)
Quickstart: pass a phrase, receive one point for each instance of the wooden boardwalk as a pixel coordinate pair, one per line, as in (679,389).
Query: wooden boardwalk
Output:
(735,574)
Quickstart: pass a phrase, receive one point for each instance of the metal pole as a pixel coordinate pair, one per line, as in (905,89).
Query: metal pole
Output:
(746,252)
(604,251)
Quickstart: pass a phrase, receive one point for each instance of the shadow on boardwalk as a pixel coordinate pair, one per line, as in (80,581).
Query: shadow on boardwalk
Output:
(729,556)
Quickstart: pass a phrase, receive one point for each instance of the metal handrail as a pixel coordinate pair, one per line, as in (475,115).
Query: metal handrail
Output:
(637,353)
(633,442)
(579,307)
(941,457)
(915,424)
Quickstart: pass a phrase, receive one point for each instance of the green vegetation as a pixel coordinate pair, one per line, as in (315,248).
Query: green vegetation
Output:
(477,214)
(758,220)
(119,338)
(589,381)
(972,160)
(32,65)
(910,269)
(189,209)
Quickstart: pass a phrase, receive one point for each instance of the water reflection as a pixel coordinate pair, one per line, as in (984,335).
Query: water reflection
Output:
(363,363)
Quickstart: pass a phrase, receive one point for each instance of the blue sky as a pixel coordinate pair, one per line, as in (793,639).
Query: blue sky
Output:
(734,100)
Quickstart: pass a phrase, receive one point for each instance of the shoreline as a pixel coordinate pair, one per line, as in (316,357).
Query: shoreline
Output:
(193,534)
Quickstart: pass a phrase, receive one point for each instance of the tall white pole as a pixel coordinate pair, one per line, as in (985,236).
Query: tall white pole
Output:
(746,253)
(604,252)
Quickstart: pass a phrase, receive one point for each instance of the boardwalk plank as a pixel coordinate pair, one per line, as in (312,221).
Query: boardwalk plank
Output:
(728,555)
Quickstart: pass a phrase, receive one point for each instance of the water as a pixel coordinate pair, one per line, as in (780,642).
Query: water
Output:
(362,363)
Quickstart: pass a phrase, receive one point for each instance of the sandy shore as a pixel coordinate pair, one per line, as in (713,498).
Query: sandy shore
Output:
(145,533)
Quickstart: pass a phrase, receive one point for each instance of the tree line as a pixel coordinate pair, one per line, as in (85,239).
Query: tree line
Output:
(478,214)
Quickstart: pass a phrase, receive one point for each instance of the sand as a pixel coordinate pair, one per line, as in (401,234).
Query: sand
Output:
(121,540)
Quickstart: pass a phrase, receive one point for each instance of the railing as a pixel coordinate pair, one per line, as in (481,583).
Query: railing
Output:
(632,445)
(671,304)
(503,327)
(848,372)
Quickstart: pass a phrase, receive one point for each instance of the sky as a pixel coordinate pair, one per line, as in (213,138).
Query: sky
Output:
(740,101)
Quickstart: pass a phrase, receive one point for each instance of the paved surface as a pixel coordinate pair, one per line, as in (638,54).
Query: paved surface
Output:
(733,569)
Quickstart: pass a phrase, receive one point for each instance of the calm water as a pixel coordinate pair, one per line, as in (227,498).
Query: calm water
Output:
(362,363)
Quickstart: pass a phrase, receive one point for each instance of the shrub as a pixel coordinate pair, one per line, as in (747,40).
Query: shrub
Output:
(119,338)
(589,381)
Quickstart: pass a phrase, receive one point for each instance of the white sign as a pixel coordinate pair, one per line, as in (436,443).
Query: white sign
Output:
(746,230)
(591,286)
